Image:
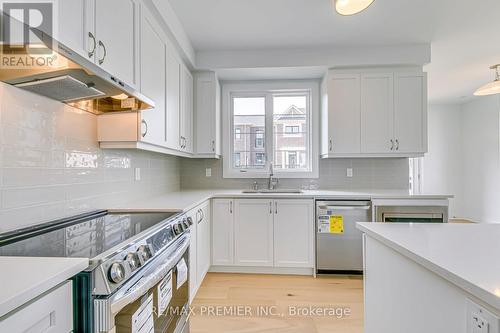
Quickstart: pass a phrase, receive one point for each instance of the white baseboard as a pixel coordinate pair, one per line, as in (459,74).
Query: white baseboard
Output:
(262,270)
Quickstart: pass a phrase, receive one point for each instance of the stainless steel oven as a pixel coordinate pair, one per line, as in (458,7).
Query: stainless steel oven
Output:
(157,300)
(138,274)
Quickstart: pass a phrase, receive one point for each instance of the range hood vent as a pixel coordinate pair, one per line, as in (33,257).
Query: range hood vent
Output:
(68,77)
(63,88)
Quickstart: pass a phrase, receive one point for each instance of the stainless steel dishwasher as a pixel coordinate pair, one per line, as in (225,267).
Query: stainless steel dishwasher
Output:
(338,242)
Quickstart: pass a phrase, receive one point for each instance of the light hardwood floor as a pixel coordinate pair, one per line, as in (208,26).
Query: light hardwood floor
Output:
(278,294)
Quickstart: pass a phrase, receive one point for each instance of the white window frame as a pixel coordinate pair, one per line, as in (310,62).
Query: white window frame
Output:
(261,89)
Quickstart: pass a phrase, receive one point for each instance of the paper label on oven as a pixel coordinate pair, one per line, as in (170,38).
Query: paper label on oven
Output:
(142,319)
(182,273)
(164,293)
(336,224)
(324,224)
(331,224)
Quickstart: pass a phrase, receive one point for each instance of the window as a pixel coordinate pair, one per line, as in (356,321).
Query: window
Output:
(270,123)
(416,169)
(259,159)
(249,131)
(292,129)
(259,138)
(237,160)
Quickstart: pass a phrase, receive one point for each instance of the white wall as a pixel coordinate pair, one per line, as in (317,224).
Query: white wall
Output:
(481,159)
(464,157)
(442,167)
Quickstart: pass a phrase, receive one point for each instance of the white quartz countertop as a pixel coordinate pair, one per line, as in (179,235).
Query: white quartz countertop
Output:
(186,200)
(464,254)
(22,278)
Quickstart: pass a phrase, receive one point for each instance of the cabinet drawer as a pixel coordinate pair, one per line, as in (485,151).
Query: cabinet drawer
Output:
(49,313)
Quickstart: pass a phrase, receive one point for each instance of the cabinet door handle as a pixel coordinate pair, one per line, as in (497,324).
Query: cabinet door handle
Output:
(213,145)
(230,207)
(101,44)
(144,128)
(94,45)
(270,207)
(202,214)
(397,144)
(330,146)
(392,144)
(275,207)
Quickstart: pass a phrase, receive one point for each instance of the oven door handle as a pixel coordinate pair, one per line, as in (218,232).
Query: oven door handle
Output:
(108,308)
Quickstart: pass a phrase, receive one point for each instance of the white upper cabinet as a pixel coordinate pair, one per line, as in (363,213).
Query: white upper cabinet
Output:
(76,26)
(344,114)
(410,112)
(173,98)
(153,80)
(117,37)
(207,116)
(253,232)
(163,77)
(186,110)
(375,113)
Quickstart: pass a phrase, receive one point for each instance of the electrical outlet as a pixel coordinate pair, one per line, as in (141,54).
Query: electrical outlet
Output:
(349,172)
(137,174)
(480,320)
(208,172)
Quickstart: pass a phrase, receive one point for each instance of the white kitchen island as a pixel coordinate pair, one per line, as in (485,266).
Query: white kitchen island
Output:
(439,278)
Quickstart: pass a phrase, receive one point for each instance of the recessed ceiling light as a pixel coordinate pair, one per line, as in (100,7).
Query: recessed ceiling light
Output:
(492,87)
(351,7)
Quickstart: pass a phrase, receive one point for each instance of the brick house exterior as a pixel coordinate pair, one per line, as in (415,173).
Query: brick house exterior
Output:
(290,140)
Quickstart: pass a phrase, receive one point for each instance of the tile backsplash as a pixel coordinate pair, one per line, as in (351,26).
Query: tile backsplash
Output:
(51,165)
(368,174)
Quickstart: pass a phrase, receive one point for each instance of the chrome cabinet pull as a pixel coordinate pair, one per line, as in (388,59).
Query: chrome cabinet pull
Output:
(392,144)
(144,128)
(91,53)
(202,214)
(230,207)
(397,144)
(270,207)
(101,44)
(213,145)
(330,147)
(275,207)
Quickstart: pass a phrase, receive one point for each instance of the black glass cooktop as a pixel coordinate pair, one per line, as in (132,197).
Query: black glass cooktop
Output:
(82,236)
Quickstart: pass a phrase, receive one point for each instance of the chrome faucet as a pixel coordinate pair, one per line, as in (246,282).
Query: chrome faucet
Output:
(273,182)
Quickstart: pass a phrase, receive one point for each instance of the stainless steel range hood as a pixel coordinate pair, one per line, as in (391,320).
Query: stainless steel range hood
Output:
(69,78)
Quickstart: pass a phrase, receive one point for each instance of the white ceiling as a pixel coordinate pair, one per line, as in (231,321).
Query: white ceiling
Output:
(464,34)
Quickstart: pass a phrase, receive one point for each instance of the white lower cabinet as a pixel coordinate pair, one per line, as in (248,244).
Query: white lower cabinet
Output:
(203,242)
(263,233)
(253,232)
(294,233)
(52,312)
(199,247)
(223,232)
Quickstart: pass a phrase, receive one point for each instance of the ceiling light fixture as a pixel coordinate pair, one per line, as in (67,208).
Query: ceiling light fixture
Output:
(492,87)
(351,7)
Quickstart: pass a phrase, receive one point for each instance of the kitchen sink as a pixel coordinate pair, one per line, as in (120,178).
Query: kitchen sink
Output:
(284,191)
